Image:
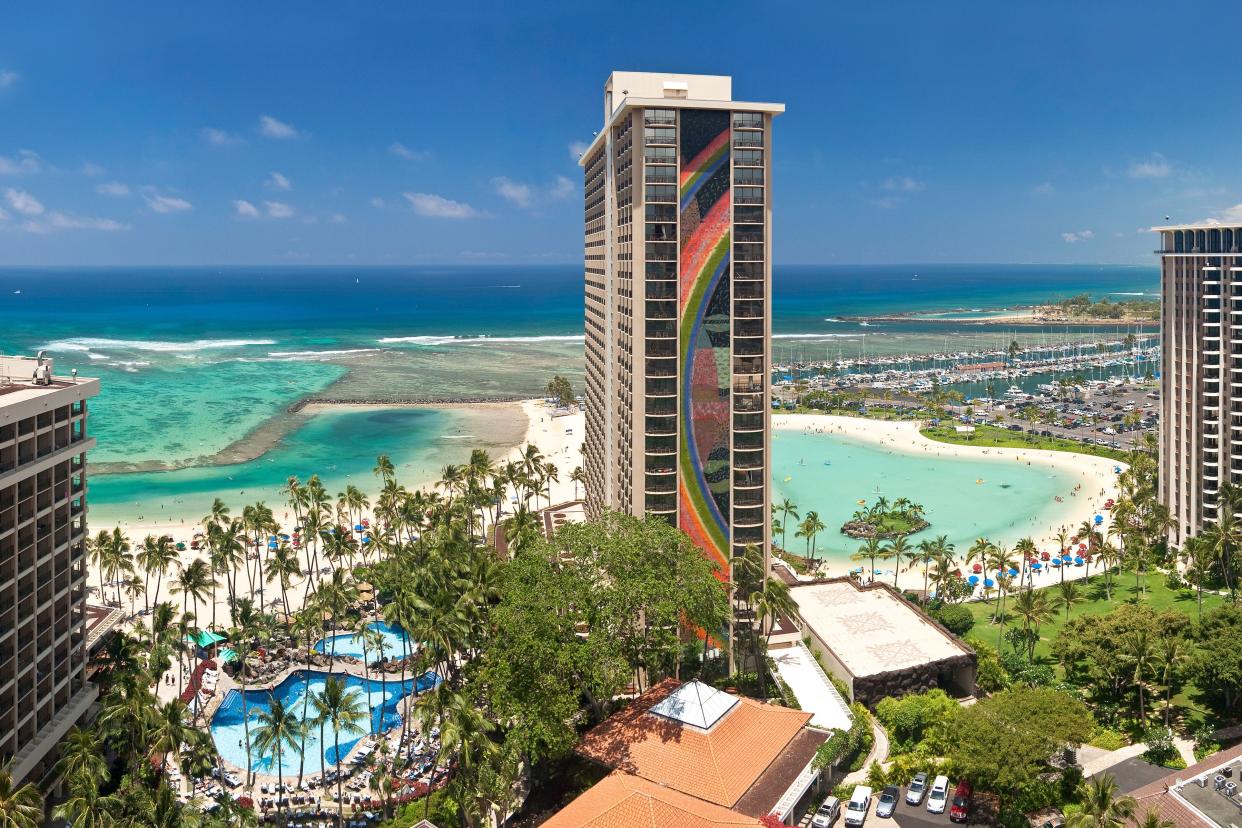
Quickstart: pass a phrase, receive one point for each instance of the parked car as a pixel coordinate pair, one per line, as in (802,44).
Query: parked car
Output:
(827,813)
(960,808)
(888,801)
(856,809)
(938,797)
(917,789)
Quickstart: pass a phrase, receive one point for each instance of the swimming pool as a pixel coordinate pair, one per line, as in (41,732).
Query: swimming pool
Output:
(228,728)
(395,642)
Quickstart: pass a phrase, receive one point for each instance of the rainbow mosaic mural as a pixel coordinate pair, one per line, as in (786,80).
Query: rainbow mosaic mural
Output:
(704,472)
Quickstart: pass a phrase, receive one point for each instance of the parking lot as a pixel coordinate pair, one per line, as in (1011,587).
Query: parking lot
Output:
(905,816)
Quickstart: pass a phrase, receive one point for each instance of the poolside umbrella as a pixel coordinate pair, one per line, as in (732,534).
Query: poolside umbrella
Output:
(227,655)
(972,580)
(989,583)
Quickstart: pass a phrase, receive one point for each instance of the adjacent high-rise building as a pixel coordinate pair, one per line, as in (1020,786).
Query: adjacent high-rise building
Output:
(1201,370)
(43,445)
(678,308)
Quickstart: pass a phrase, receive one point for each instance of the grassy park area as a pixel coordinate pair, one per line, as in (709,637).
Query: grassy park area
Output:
(997,437)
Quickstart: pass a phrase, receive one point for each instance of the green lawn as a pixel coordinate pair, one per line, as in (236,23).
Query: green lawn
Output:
(1158,596)
(995,436)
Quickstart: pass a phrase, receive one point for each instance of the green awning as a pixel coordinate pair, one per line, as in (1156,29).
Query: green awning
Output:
(227,655)
(206,638)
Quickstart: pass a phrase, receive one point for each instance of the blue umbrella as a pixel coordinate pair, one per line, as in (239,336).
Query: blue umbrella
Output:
(1077,561)
(972,580)
(1055,562)
(1066,558)
(1116,469)
(1099,519)
(358,527)
(1012,572)
(1037,566)
(989,583)
(366,540)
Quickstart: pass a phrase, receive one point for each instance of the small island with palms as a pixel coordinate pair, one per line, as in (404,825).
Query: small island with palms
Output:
(886,520)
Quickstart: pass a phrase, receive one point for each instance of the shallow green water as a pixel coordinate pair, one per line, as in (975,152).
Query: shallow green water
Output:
(1015,500)
(339,446)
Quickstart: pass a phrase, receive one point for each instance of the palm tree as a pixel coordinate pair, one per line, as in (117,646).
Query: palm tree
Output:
(1139,655)
(157,555)
(81,754)
(277,729)
(770,603)
(978,552)
(924,554)
(1153,819)
(897,549)
(1221,537)
(999,560)
(870,550)
(1102,806)
(115,560)
(1069,595)
(1171,656)
(169,730)
(86,806)
(340,707)
(1034,608)
(20,807)
(1192,554)
(577,476)
(788,511)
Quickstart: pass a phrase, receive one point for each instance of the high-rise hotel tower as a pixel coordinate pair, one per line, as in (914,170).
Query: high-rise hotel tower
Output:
(43,624)
(678,308)
(1201,370)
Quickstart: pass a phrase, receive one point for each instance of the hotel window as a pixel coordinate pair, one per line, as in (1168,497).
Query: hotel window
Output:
(747,120)
(748,175)
(660,155)
(748,195)
(661,135)
(661,193)
(748,158)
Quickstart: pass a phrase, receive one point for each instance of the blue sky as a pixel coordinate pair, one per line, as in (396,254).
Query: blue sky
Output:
(387,133)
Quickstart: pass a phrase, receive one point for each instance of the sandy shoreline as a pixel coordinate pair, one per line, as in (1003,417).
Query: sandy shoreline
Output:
(1095,474)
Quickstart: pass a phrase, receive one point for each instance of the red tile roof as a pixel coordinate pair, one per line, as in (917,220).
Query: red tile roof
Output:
(624,801)
(718,765)
(1156,795)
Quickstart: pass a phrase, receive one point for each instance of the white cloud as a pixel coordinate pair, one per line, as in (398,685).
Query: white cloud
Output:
(577,148)
(519,194)
(1081,235)
(220,138)
(1229,215)
(337,218)
(562,188)
(278,209)
(1043,189)
(902,184)
(270,127)
(8,78)
(1154,167)
(279,181)
(378,203)
(25,162)
(56,220)
(244,209)
(92,170)
(23,202)
(167,204)
(113,188)
(402,151)
(435,206)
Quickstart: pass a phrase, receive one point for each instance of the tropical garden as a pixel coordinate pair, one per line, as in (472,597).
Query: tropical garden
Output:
(531,647)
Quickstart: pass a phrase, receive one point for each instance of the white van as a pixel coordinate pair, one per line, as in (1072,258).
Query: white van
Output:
(859,804)
(938,796)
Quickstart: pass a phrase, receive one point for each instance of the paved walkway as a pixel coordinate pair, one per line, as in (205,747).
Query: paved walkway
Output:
(879,753)
(1104,761)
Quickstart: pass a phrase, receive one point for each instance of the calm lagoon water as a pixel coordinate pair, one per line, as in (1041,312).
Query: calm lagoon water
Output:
(396,643)
(229,731)
(1013,501)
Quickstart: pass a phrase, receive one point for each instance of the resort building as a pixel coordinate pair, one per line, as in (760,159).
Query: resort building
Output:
(689,754)
(1204,795)
(43,618)
(1200,389)
(879,644)
(678,315)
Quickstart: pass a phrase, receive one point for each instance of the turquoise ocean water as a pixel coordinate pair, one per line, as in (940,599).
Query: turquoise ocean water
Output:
(198,365)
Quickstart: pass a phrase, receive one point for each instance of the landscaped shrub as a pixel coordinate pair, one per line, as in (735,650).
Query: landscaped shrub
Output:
(1160,747)
(909,718)
(956,618)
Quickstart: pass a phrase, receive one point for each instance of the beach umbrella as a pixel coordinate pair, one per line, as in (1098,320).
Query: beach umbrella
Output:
(358,527)
(1055,562)
(1012,572)
(1077,561)
(1099,519)
(972,580)
(272,544)
(989,583)
(1037,566)
(1116,469)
